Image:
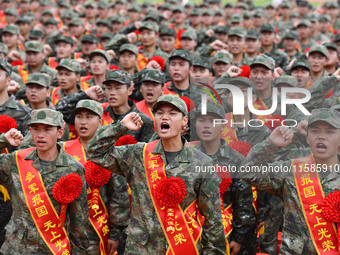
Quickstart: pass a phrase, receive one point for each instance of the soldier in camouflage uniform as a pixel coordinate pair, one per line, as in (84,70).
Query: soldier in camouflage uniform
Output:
(38,91)
(290,44)
(317,57)
(189,40)
(118,104)
(242,238)
(296,238)
(145,234)
(37,65)
(12,32)
(304,29)
(52,163)
(236,43)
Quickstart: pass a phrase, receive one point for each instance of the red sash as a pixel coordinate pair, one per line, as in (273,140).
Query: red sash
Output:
(52,62)
(142,61)
(227,220)
(23,73)
(178,231)
(167,91)
(311,195)
(83,82)
(106,115)
(260,105)
(55,97)
(141,105)
(40,206)
(98,217)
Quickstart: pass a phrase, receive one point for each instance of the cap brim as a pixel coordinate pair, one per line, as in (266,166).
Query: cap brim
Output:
(74,111)
(107,81)
(160,103)
(254,64)
(65,67)
(42,122)
(335,125)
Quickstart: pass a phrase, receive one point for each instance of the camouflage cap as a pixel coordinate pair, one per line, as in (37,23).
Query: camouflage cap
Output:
(241,5)
(149,25)
(336,107)
(220,56)
(336,37)
(237,31)
(325,17)
(106,35)
(63,4)
(267,28)
(218,13)
(11,12)
(312,17)
(286,4)
(89,104)
(212,108)
(189,33)
(115,42)
(303,3)
(300,63)
(5,66)
(167,6)
(153,75)
(90,4)
(76,21)
(24,20)
(291,34)
(12,29)
(253,34)
(46,116)
(263,60)
(36,34)
(286,79)
(229,5)
(181,53)
(270,6)
(196,12)
(330,116)
(47,12)
(318,48)
(202,62)
(104,22)
(89,38)
(330,45)
(102,53)
(119,76)
(129,47)
(174,100)
(221,29)
(207,12)
(34,46)
(52,21)
(304,22)
(178,8)
(189,5)
(41,79)
(134,8)
(331,4)
(239,81)
(69,64)
(259,13)
(236,18)
(247,15)
(65,38)
(103,5)
(168,31)
(3,48)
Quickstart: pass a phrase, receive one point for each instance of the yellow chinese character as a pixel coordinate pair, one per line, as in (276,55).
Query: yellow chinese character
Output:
(225,131)
(33,188)
(225,222)
(96,212)
(59,244)
(48,225)
(76,157)
(328,245)
(230,218)
(151,155)
(36,200)
(314,209)
(309,191)
(228,139)
(323,233)
(88,191)
(170,228)
(29,177)
(41,211)
(179,239)
(106,230)
(66,252)
(319,223)
(305,179)
(177,226)
(192,222)
(153,164)
(54,236)
(154,176)
(101,220)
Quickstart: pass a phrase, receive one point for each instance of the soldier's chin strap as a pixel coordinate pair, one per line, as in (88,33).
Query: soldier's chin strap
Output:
(4,191)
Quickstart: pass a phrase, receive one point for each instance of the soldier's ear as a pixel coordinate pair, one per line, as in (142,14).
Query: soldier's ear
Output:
(60,133)
(185,121)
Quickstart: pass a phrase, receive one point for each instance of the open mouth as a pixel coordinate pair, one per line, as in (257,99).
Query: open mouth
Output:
(320,147)
(40,143)
(165,127)
(83,129)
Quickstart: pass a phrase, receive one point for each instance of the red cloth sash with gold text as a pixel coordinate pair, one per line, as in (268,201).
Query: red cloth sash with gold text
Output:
(323,232)
(97,217)
(179,236)
(260,105)
(167,91)
(106,115)
(40,206)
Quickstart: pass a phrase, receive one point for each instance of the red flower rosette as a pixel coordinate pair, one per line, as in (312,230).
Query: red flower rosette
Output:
(245,71)
(170,192)
(190,104)
(331,209)
(7,123)
(241,147)
(65,191)
(159,60)
(274,121)
(125,140)
(96,177)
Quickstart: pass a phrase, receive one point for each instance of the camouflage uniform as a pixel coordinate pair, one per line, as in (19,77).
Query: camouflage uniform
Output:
(291,34)
(22,234)
(296,238)
(240,32)
(145,234)
(14,30)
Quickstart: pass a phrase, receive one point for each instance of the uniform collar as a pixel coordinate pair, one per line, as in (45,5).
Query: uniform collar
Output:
(185,155)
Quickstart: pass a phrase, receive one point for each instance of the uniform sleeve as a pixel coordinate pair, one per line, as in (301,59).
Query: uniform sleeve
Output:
(147,130)
(256,168)
(102,150)
(209,205)
(119,207)
(68,103)
(6,162)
